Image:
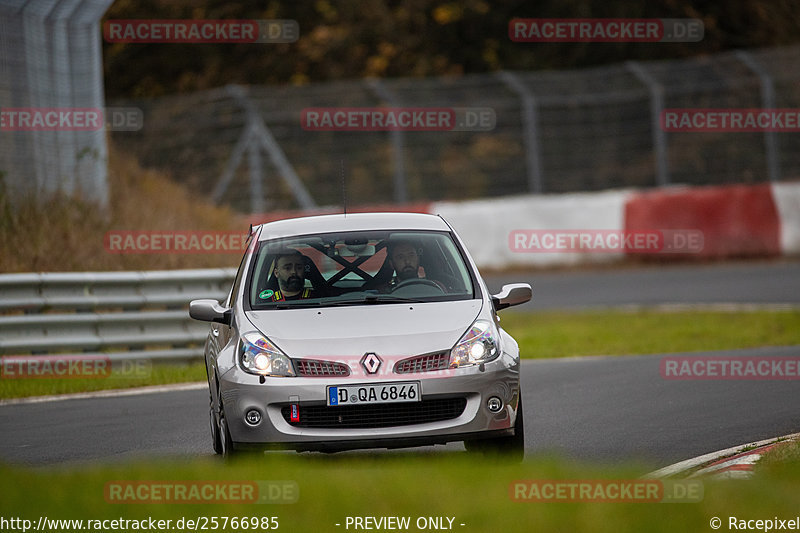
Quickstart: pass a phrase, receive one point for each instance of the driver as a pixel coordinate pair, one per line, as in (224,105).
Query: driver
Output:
(290,271)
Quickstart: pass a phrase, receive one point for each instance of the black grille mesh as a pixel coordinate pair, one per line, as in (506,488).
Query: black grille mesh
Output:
(314,368)
(377,415)
(423,363)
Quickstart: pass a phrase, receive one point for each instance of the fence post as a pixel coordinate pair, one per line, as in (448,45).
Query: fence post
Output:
(530,122)
(398,143)
(256,134)
(767,102)
(656,107)
(257,203)
(233,163)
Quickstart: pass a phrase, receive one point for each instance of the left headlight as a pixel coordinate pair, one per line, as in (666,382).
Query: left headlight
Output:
(258,355)
(478,345)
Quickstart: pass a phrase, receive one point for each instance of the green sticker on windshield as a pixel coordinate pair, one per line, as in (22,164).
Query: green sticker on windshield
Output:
(266,293)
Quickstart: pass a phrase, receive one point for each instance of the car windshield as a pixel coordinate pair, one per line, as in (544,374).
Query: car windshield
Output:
(358,268)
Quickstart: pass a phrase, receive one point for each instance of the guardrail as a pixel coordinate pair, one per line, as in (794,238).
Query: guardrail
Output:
(120,315)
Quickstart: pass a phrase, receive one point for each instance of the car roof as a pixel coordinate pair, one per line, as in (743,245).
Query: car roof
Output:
(352,222)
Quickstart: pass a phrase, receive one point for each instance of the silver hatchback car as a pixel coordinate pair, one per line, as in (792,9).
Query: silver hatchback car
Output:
(356,331)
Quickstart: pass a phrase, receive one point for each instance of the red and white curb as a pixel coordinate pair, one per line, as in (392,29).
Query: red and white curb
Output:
(740,466)
(731,463)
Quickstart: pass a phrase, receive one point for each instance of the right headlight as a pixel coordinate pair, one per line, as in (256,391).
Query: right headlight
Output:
(257,355)
(478,345)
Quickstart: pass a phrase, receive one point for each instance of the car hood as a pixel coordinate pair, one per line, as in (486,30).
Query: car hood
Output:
(386,329)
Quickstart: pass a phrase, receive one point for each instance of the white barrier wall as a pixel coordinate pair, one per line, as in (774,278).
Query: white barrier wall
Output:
(787,201)
(485,225)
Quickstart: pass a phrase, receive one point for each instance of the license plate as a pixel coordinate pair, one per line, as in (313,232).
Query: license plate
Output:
(407,391)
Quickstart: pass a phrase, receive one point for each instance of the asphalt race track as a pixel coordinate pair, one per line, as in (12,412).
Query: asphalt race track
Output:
(589,408)
(739,283)
(603,408)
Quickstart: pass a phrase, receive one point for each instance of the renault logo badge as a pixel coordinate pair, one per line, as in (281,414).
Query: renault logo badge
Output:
(371,362)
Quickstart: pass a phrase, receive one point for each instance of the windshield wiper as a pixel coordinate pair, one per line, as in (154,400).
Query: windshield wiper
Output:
(295,304)
(376,299)
(389,299)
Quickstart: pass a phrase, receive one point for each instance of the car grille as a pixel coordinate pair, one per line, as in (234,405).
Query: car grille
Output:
(377,415)
(314,368)
(423,363)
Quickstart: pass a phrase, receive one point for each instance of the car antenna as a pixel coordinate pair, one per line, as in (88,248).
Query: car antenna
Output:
(344,188)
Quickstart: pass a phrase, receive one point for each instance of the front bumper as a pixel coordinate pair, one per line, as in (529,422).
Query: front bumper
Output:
(242,392)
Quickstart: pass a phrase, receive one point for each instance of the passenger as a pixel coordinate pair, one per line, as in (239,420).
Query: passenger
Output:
(404,259)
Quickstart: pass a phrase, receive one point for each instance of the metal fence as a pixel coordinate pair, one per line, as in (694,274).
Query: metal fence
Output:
(50,58)
(120,315)
(561,131)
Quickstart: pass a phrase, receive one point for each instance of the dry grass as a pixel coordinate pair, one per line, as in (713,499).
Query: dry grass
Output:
(60,234)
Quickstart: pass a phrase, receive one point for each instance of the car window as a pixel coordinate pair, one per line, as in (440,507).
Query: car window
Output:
(355,268)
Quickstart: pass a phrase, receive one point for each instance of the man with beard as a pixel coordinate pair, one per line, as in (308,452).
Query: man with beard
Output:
(405,261)
(404,258)
(290,270)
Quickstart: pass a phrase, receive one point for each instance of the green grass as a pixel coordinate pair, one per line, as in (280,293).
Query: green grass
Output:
(540,335)
(331,488)
(614,332)
(777,457)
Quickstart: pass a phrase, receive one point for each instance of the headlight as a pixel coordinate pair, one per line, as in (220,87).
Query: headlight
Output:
(258,355)
(478,345)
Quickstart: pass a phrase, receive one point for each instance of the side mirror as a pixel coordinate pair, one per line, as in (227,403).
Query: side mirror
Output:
(513,294)
(209,311)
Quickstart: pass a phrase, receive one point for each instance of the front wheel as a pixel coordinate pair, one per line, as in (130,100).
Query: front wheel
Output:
(226,442)
(511,448)
(216,441)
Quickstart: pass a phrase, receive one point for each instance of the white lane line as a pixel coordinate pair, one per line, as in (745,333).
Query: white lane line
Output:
(113,393)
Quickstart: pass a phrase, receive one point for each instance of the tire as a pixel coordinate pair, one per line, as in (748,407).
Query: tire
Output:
(216,441)
(220,434)
(226,442)
(510,448)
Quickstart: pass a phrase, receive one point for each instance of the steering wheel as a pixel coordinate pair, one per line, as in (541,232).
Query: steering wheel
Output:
(417,281)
